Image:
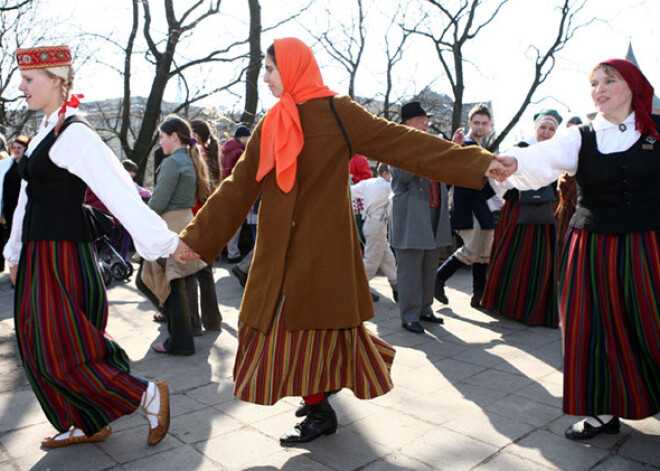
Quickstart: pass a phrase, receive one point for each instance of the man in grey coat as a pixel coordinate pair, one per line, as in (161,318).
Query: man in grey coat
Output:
(420,225)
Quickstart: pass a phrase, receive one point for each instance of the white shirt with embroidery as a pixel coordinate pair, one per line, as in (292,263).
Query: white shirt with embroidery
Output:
(82,152)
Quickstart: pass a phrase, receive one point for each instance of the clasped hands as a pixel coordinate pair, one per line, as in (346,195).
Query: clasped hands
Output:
(501,167)
(184,254)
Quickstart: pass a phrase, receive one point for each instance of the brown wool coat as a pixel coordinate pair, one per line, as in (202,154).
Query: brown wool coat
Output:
(307,245)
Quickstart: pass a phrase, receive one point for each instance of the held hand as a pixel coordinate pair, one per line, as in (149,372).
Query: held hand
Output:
(184,254)
(458,137)
(502,167)
(13,270)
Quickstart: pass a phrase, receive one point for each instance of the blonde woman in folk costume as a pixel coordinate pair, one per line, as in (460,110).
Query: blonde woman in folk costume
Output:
(81,377)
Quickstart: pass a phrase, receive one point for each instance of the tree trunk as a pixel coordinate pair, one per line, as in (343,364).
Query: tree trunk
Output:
(252,74)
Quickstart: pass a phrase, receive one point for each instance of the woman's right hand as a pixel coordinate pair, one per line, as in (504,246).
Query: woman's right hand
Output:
(184,254)
(13,270)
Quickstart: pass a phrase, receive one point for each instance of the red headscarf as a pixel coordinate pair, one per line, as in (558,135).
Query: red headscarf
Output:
(642,91)
(282,137)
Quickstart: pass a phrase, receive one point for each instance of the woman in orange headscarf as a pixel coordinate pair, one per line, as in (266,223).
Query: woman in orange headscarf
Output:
(301,326)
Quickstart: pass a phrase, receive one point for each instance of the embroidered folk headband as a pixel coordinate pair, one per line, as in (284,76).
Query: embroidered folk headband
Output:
(42,57)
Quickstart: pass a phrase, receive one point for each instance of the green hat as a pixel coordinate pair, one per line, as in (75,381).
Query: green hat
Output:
(553,113)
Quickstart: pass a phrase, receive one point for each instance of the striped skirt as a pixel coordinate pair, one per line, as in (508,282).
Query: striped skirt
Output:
(80,377)
(301,363)
(521,277)
(609,300)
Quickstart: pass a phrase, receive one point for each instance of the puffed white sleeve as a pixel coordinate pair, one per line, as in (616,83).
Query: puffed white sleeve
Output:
(82,152)
(542,163)
(12,250)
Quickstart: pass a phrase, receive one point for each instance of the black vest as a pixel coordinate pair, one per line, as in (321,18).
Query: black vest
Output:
(618,193)
(54,209)
(11,188)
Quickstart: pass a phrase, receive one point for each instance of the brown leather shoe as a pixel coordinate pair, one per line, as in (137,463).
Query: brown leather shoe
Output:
(156,434)
(50,442)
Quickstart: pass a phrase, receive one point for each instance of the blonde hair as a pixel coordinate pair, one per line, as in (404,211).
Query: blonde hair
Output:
(66,74)
(175,124)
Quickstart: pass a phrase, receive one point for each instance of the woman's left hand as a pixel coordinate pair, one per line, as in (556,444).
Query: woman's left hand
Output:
(184,254)
(13,270)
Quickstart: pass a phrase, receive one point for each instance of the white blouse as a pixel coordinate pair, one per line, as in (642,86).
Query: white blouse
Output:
(82,152)
(541,164)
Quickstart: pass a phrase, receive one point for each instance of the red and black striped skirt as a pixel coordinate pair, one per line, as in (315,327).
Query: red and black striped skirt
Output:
(521,278)
(81,377)
(609,302)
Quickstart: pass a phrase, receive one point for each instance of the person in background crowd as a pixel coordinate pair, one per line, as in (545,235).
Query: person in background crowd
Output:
(521,275)
(231,152)
(210,150)
(419,227)
(359,170)
(609,290)
(85,384)
(301,328)
(375,192)
(10,186)
(182,180)
(471,217)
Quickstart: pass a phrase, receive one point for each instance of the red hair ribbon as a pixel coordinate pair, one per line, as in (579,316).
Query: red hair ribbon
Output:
(73,102)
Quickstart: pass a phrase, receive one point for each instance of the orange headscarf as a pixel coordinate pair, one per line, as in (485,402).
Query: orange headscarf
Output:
(282,137)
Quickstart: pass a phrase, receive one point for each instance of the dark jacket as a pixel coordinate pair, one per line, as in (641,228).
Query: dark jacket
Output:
(467,201)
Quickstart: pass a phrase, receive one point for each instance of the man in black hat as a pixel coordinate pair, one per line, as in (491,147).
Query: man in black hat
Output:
(420,225)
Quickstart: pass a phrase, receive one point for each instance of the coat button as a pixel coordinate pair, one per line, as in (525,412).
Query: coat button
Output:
(293,223)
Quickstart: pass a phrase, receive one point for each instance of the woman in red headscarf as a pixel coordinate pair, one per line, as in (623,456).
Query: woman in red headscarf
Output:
(301,329)
(609,272)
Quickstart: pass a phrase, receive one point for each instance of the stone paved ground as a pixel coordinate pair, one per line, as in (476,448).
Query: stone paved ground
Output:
(481,393)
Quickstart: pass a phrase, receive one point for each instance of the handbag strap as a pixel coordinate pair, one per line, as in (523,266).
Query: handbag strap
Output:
(341,126)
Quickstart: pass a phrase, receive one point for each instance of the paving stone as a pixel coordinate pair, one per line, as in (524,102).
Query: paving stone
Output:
(478,356)
(446,449)
(239,449)
(496,379)
(88,457)
(507,461)
(642,448)
(493,429)
(19,409)
(287,460)
(26,440)
(131,444)
(345,450)
(553,451)
(202,425)
(616,463)
(456,369)
(397,461)
(394,430)
(527,365)
(546,393)
(212,393)
(524,410)
(186,457)
(249,413)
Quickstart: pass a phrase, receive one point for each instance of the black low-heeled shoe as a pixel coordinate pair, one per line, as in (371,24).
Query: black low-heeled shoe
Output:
(584,430)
